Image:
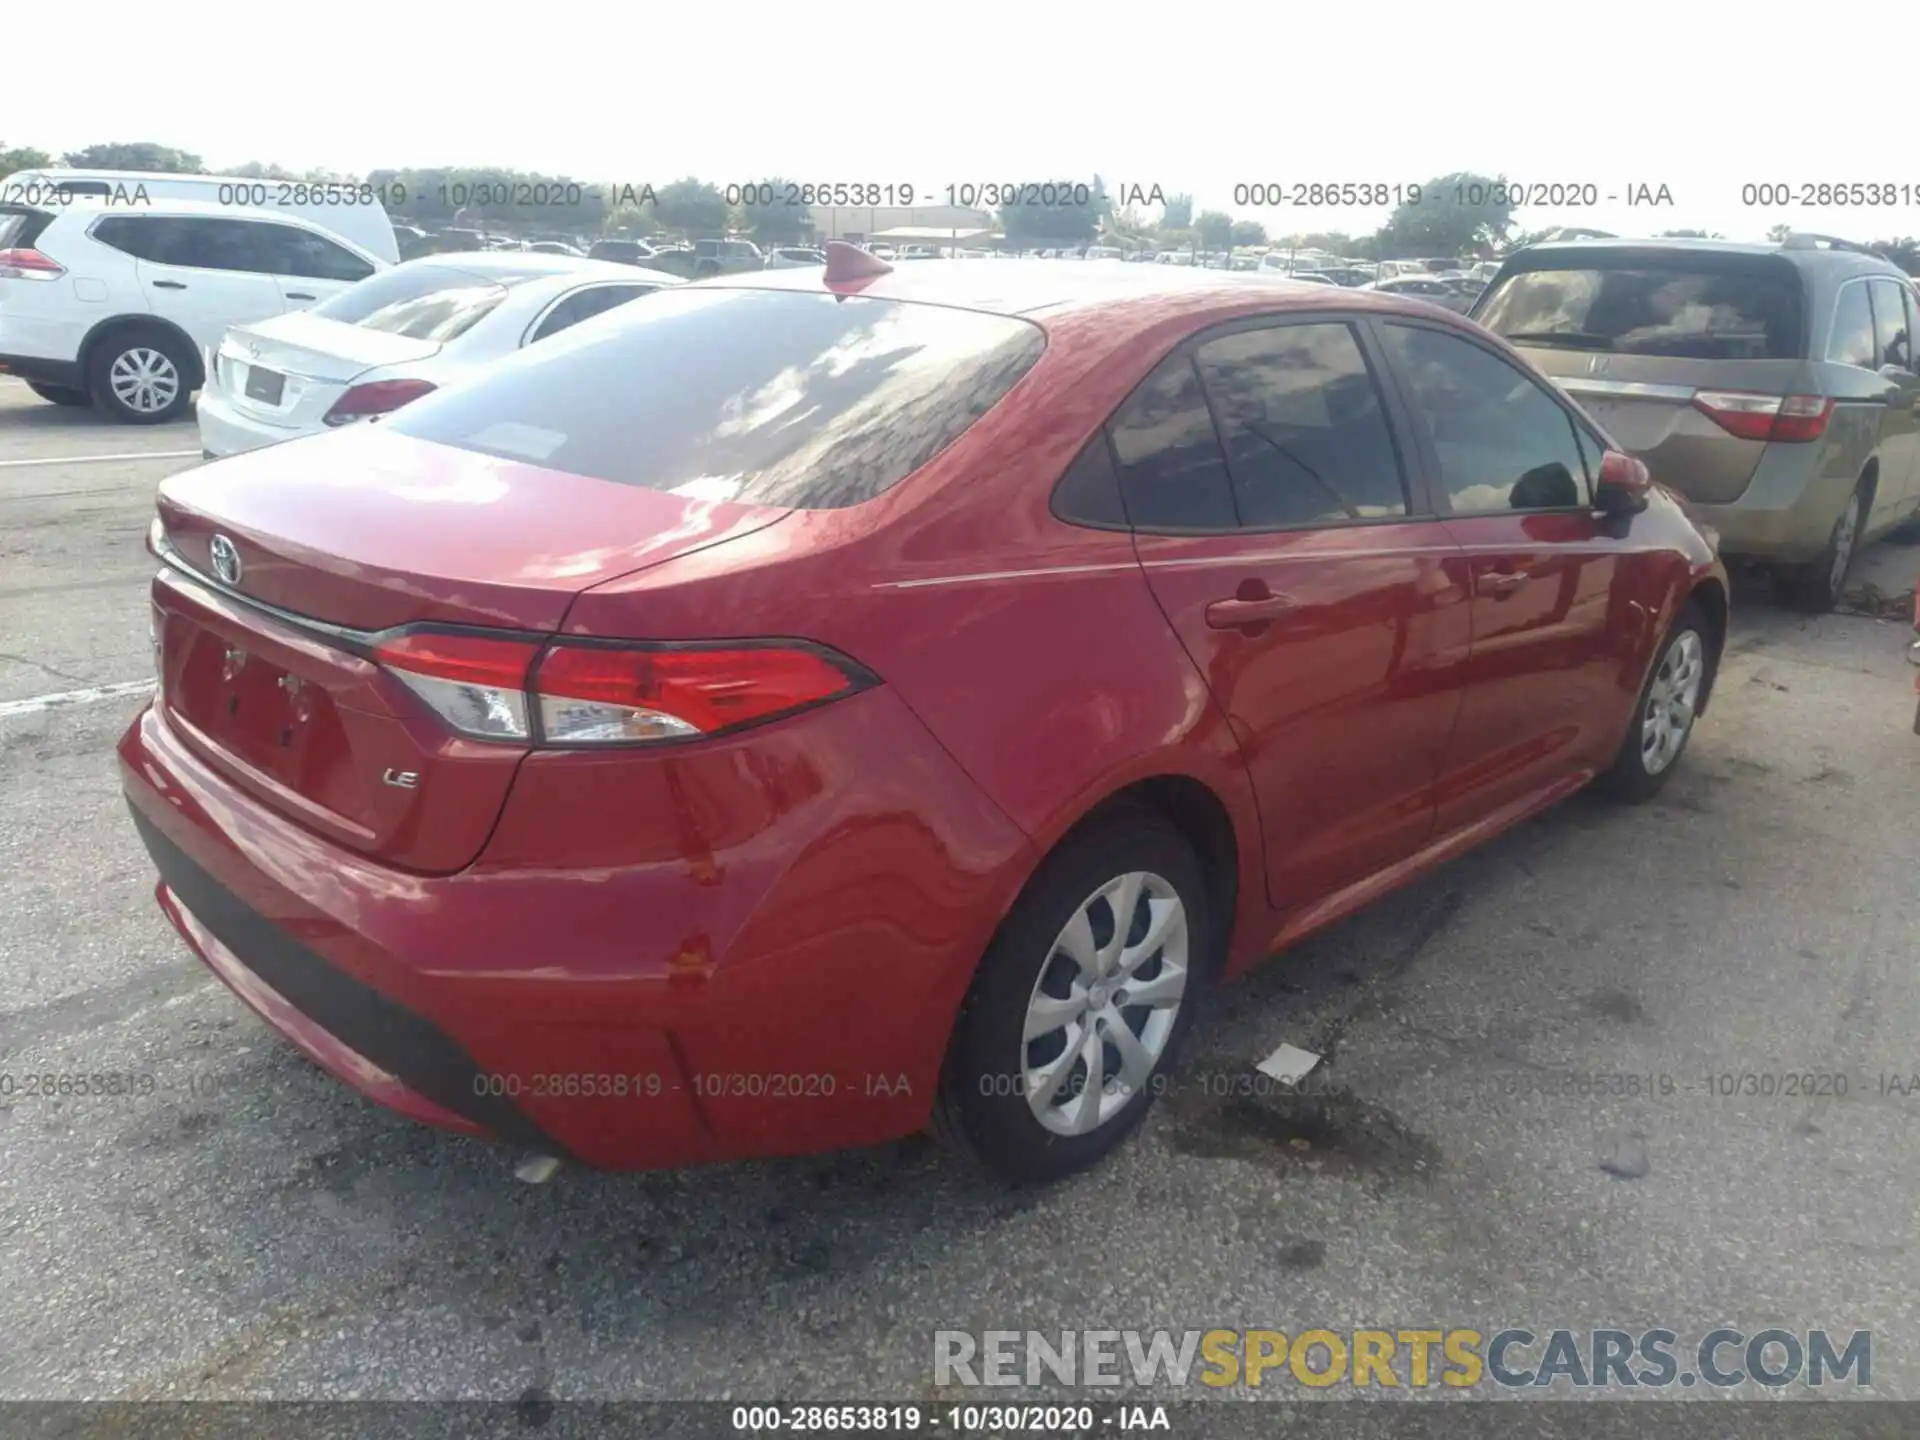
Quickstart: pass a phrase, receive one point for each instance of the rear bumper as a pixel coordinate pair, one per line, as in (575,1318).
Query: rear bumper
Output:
(774,991)
(225,430)
(1787,512)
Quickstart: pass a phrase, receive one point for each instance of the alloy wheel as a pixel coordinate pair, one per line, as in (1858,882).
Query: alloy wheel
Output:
(1671,702)
(144,380)
(1104,1005)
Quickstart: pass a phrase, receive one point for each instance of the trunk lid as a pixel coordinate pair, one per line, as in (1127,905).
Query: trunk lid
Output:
(362,531)
(290,369)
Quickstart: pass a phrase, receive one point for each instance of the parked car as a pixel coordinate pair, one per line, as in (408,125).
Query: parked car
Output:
(1431,288)
(1104,252)
(1309,277)
(554,247)
(349,211)
(581,720)
(623,252)
(119,305)
(406,332)
(726,257)
(1773,385)
(789,257)
(680,260)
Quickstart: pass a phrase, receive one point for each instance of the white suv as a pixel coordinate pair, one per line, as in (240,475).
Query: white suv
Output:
(122,304)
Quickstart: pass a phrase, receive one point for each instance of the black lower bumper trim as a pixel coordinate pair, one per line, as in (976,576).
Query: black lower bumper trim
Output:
(64,374)
(400,1041)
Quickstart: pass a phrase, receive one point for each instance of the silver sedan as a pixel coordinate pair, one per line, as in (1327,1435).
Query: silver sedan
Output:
(394,337)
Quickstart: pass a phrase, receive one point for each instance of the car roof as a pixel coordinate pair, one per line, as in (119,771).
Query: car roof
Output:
(93,206)
(1797,254)
(1037,288)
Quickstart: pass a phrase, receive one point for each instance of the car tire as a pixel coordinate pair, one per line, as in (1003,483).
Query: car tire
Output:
(59,394)
(140,376)
(1029,977)
(1676,681)
(1817,586)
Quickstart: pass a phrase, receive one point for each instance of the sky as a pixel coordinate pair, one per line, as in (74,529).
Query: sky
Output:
(1200,98)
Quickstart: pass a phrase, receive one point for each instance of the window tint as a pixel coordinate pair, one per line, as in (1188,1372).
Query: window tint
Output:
(1911,305)
(759,396)
(1892,339)
(291,251)
(1173,474)
(1705,307)
(1089,493)
(1301,422)
(584,304)
(1852,341)
(1502,442)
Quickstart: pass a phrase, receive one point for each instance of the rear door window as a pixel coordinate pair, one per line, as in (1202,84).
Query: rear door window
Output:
(765,397)
(1892,338)
(585,304)
(1852,341)
(1303,426)
(297,252)
(1709,306)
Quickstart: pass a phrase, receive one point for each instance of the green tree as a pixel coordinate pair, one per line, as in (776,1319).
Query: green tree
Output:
(489,198)
(135,155)
(1061,223)
(1458,214)
(763,213)
(1904,252)
(1249,232)
(22,158)
(1691,235)
(1178,214)
(1215,229)
(256,170)
(691,207)
(1779,232)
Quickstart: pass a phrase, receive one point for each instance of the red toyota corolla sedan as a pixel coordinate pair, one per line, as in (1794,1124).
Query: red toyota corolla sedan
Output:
(798,704)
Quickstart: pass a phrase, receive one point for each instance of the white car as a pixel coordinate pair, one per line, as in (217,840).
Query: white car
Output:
(122,305)
(346,208)
(418,327)
(1425,287)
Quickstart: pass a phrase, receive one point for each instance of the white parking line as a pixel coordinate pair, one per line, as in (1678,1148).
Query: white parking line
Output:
(92,693)
(86,459)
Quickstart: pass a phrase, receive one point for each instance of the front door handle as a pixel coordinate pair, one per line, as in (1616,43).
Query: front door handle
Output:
(1252,604)
(1500,583)
(168,285)
(296,295)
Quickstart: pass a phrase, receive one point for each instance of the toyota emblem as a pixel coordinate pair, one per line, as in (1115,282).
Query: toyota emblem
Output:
(226,560)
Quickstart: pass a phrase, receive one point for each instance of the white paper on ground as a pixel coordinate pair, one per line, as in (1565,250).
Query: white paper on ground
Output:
(1289,1064)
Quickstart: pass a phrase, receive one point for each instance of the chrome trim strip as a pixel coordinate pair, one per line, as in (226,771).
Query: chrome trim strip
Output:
(171,559)
(1583,385)
(1004,575)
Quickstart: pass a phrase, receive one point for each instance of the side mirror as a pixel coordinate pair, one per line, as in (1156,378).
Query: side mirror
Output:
(1624,485)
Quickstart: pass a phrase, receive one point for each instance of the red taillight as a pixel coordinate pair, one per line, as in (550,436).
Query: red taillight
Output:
(586,694)
(1766,417)
(376,397)
(29,265)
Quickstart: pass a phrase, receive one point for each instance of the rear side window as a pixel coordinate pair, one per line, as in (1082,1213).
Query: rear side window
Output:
(1893,342)
(1704,307)
(1173,473)
(1852,341)
(758,396)
(190,241)
(584,304)
(1303,426)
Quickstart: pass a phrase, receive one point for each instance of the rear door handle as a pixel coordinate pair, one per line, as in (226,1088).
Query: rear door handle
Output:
(1253,604)
(168,285)
(296,295)
(1500,583)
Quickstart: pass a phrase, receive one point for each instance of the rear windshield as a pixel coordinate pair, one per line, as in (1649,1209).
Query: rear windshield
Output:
(1713,307)
(422,302)
(767,397)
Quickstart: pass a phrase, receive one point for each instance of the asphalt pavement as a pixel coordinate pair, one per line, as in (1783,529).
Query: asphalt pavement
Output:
(251,1229)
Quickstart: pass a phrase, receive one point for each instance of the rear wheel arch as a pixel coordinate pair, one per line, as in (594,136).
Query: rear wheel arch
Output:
(108,330)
